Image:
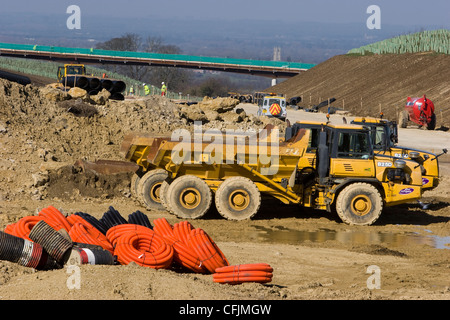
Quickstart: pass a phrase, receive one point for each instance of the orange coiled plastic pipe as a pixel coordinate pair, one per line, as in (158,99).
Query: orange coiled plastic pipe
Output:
(145,249)
(182,231)
(237,274)
(9,229)
(119,230)
(209,254)
(85,233)
(183,255)
(162,227)
(74,219)
(23,227)
(55,218)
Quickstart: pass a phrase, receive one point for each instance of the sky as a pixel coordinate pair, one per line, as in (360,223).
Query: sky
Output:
(420,13)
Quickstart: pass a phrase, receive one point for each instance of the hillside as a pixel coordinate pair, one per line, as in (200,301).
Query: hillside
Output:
(430,40)
(365,84)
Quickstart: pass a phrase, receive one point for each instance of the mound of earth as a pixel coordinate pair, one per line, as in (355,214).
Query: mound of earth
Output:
(366,85)
(39,135)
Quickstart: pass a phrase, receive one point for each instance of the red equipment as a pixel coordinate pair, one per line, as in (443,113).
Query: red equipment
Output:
(420,111)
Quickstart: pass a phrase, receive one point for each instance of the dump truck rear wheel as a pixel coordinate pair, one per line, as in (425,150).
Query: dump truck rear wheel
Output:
(188,197)
(359,204)
(149,188)
(237,198)
(135,182)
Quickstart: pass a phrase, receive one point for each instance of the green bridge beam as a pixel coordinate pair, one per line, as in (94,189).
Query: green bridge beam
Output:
(273,69)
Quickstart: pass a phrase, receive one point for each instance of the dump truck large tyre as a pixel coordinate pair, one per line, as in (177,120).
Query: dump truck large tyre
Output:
(163,193)
(134,183)
(359,204)
(149,188)
(237,198)
(188,197)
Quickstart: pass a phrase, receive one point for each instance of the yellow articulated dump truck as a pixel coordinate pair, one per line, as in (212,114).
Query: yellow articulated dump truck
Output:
(232,171)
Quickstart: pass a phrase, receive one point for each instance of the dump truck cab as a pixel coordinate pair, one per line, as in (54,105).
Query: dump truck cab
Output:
(357,182)
(384,135)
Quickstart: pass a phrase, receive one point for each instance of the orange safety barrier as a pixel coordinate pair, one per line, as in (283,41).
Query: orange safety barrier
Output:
(257,272)
(209,254)
(55,218)
(85,233)
(145,249)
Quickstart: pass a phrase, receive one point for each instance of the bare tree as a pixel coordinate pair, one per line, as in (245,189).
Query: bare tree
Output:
(176,78)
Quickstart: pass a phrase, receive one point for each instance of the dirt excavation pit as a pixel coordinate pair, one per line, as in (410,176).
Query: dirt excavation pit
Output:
(313,254)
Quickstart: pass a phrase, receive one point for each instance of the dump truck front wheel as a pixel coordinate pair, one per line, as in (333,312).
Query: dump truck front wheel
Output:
(359,204)
(163,193)
(237,198)
(149,188)
(188,197)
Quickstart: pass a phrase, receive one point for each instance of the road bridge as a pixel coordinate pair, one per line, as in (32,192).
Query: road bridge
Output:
(272,69)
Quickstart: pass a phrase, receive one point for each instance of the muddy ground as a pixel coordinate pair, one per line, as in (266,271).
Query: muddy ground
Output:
(313,254)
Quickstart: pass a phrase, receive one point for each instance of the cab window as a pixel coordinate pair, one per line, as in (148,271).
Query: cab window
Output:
(353,145)
(378,137)
(272,101)
(313,140)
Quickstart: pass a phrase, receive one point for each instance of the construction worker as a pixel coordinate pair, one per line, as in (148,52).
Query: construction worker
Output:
(131,91)
(146,89)
(163,89)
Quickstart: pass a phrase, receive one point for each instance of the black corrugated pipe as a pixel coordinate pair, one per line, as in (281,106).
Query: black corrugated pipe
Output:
(95,84)
(83,82)
(68,81)
(118,86)
(107,84)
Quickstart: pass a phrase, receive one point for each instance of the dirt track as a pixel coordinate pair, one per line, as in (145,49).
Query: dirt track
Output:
(314,255)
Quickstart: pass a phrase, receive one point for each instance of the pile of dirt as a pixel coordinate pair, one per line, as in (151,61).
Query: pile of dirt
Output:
(364,85)
(40,135)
